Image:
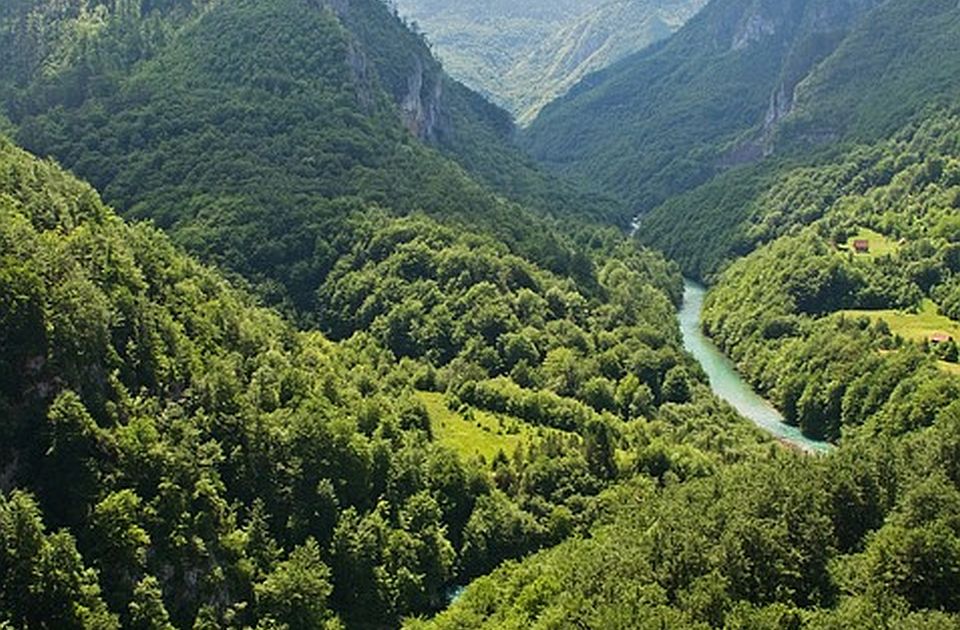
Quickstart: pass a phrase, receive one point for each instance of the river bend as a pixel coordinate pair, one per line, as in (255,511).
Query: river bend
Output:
(727,382)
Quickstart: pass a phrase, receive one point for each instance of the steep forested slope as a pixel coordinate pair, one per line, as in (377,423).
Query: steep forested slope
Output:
(899,63)
(743,80)
(775,310)
(479,42)
(173,453)
(524,55)
(838,310)
(845,342)
(232,123)
(866,538)
(488,386)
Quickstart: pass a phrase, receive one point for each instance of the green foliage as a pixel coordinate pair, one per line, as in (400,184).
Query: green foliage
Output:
(252,148)
(210,461)
(764,545)
(201,462)
(769,310)
(43,577)
(742,82)
(147,611)
(295,593)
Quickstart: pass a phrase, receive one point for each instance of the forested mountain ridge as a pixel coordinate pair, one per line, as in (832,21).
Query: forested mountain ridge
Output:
(458,389)
(828,222)
(744,80)
(523,55)
(838,317)
(175,454)
(227,121)
(898,200)
(891,74)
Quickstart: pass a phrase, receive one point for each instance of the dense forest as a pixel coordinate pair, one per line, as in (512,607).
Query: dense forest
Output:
(742,82)
(864,537)
(175,453)
(838,339)
(293,335)
(202,119)
(807,299)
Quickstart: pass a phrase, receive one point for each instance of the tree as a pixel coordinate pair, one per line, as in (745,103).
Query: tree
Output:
(119,542)
(295,593)
(600,450)
(634,399)
(77,446)
(261,546)
(43,582)
(146,609)
(562,369)
(600,394)
(676,386)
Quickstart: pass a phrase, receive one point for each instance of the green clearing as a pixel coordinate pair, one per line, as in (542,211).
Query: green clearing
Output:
(952,368)
(484,434)
(917,326)
(880,245)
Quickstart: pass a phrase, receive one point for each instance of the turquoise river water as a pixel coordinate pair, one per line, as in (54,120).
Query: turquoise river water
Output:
(727,382)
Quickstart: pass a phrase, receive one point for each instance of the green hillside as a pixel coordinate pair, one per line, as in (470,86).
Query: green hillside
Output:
(221,142)
(668,119)
(524,55)
(345,358)
(842,343)
(174,453)
(738,91)
(900,62)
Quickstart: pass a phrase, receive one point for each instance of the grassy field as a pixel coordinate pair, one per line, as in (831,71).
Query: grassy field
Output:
(916,327)
(484,434)
(913,326)
(880,245)
(953,368)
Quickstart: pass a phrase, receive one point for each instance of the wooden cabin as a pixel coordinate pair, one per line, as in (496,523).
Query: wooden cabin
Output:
(940,337)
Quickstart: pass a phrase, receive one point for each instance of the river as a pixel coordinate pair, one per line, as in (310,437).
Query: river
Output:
(727,382)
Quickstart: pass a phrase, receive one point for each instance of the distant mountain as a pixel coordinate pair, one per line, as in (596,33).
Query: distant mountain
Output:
(523,55)
(897,66)
(667,119)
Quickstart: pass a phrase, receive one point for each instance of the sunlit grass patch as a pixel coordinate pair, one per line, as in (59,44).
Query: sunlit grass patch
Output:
(478,432)
(879,245)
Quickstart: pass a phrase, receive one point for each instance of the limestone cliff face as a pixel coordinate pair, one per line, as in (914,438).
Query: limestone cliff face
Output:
(804,33)
(757,25)
(822,26)
(420,107)
(409,73)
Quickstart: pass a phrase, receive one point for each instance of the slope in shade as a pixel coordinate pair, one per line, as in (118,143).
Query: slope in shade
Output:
(667,119)
(251,128)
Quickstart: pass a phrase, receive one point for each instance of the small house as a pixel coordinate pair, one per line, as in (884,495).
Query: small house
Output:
(940,337)
(861,246)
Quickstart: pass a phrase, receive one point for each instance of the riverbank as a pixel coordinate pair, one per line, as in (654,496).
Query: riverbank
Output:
(727,382)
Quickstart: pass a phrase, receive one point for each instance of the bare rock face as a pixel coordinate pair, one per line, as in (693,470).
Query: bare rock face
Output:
(822,27)
(804,33)
(360,69)
(418,96)
(756,27)
(420,108)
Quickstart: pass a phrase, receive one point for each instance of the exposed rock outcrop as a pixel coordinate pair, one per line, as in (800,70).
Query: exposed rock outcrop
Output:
(420,107)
